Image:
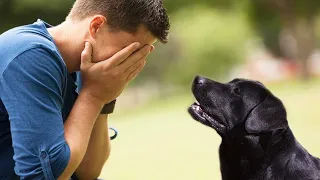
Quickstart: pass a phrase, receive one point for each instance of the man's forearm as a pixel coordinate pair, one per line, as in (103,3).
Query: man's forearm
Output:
(78,128)
(98,151)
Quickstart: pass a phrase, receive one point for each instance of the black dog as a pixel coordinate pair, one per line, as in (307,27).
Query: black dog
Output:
(257,142)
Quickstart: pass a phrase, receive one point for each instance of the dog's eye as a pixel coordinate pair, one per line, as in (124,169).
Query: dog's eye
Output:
(237,91)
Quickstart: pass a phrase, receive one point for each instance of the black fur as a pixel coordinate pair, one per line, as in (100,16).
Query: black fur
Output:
(257,143)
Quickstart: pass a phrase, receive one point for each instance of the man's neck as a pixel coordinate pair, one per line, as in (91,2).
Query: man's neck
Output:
(69,38)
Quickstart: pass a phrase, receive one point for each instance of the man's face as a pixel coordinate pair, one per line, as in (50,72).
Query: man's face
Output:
(107,43)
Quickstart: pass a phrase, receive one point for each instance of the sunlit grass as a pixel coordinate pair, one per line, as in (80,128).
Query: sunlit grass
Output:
(161,141)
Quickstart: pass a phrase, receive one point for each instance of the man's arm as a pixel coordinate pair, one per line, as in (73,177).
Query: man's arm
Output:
(31,90)
(98,150)
(102,83)
(78,128)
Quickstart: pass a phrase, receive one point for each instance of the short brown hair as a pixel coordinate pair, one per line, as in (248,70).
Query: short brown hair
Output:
(127,15)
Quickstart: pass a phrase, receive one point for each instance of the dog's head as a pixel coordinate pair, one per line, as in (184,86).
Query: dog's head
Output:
(240,104)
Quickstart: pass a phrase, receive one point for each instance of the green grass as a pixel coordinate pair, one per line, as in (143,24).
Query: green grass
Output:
(161,141)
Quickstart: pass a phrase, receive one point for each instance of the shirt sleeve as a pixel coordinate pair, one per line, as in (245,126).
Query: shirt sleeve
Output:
(78,82)
(32,91)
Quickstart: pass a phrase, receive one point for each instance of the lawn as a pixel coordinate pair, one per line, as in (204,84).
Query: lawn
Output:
(161,141)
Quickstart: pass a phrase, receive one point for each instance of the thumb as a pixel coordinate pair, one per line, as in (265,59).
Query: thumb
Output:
(86,55)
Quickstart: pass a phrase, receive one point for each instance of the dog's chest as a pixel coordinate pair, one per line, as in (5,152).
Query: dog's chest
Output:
(243,157)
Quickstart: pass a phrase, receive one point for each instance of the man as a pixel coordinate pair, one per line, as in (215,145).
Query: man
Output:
(47,130)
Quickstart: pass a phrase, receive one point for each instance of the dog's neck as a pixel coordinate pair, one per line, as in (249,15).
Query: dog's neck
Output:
(251,157)
(287,152)
(249,153)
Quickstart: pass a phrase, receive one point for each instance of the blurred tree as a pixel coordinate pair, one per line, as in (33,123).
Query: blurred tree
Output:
(19,12)
(157,67)
(212,42)
(176,5)
(287,28)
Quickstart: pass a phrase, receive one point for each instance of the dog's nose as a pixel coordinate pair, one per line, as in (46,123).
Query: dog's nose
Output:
(199,80)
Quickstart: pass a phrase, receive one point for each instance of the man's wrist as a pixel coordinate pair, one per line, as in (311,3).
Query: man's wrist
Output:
(108,108)
(93,101)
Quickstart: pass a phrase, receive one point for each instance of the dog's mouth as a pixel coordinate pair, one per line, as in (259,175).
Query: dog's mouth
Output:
(198,113)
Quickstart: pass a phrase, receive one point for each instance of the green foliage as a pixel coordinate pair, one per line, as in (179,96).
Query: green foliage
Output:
(176,5)
(265,21)
(158,62)
(48,4)
(306,9)
(211,43)
(268,18)
(19,12)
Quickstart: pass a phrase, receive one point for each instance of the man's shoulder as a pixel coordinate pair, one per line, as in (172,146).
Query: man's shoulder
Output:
(21,39)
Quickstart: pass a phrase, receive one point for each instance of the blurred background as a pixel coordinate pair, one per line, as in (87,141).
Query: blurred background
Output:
(274,41)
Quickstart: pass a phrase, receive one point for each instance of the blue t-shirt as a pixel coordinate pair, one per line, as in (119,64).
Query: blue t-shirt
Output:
(36,95)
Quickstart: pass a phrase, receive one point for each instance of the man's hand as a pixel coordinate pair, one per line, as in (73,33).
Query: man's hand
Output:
(104,81)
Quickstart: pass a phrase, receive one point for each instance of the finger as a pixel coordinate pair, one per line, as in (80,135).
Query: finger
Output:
(134,58)
(86,55)
(135,65)
(122,55)
(135,73)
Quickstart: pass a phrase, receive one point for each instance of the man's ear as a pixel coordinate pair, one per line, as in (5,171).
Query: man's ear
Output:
(268,116)
(96,24)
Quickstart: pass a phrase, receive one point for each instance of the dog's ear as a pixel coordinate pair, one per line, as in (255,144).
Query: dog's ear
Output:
(268,116)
